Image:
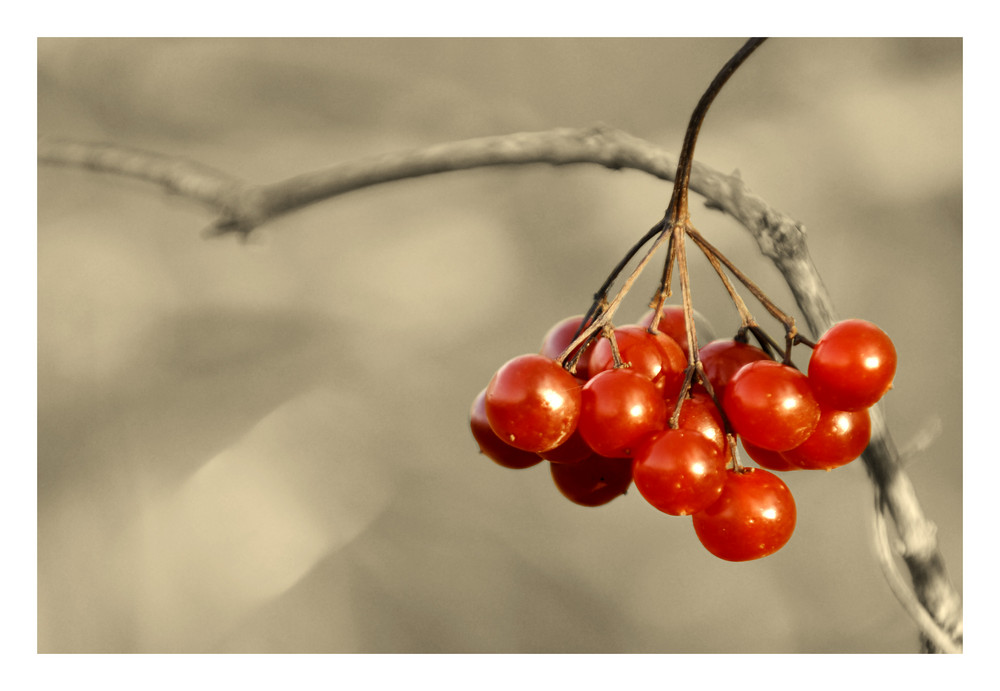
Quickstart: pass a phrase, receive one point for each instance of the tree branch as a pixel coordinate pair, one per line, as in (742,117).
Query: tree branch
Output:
(242,207)
(195,181)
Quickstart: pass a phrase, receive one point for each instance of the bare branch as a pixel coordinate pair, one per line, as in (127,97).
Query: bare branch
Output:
(242,207)
(177,176)
(934,633)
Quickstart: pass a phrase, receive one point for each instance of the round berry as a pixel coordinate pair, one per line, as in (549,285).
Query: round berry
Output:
(765,458)
(839,438)
(753,517)
(594,481)
(655,356)
(852,365)
(570,451)
(679,471)
(618,407)
(700,414)
(532,403)
(723,358)
(558,339)
(672,324)
(771,405)
(492,446)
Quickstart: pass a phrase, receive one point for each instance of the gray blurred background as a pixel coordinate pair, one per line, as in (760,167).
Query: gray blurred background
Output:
(264,447)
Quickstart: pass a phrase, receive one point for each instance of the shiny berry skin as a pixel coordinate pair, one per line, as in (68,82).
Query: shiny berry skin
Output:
(679,471)
(672,324)
(618,407)
(699,413)
(721,359)
(558,338)
(594,481)
(532,403)
(765,458)
(852,365)
(655,356)
(492,446)
(754,517)
(771,405)
(839,438)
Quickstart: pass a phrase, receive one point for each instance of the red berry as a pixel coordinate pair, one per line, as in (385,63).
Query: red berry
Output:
(672,324)
(754,517)
(532,403)
(838,439)
(700,414)
(771,405)
(765,458)
(655,356)
(594,481)
(558,339)
(723,358)
(852,365)
(619,407)
(679,471)
(570,451)
(492,446)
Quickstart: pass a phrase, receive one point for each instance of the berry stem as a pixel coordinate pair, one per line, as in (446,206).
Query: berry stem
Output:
(677,209)
(677,216)
(604,317)
(616,355)
(685,280)
(602,292)
(746,318)
(664,292)
(715,256)
(670,229)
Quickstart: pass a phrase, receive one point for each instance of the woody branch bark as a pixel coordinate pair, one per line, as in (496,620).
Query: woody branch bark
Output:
(930,597)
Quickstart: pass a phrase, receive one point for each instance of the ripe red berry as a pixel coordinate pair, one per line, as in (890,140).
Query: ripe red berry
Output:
(754,517)
(700,414)
(558,338)
(852,365)
(492,446)
(765,458)
(618,407)
(723,358)
(771,405)
(570,451)
(839,438)
(679,471)
(672,324)
(594,481)
(532,403)
(655,356)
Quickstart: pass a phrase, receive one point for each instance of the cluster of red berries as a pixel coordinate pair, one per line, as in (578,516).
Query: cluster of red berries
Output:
(606,427)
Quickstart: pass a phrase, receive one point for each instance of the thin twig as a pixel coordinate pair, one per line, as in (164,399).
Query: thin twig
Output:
(711,251)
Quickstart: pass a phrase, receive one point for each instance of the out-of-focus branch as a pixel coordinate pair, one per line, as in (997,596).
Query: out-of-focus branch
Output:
(242,207)
(936,637)
(196,182)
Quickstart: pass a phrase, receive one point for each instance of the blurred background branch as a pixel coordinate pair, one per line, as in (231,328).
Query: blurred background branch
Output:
(243,207)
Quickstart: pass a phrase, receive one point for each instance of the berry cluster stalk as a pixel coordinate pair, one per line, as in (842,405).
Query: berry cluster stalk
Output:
(671,230)
(674,225)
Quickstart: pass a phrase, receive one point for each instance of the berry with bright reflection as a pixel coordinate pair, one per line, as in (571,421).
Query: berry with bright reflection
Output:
(532,403)
(754,517)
